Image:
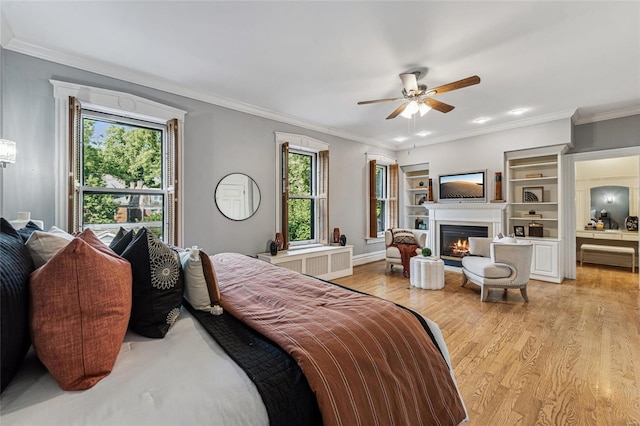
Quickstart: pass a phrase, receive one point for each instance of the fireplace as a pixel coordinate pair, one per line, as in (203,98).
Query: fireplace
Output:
(454,241)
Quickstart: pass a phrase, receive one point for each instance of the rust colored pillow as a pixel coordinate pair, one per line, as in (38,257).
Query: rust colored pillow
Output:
(80,304)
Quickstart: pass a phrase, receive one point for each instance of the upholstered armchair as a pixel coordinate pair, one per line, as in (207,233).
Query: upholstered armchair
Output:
(505,263)
(392,256)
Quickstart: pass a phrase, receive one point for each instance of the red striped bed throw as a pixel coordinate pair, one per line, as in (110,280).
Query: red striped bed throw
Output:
(368,361)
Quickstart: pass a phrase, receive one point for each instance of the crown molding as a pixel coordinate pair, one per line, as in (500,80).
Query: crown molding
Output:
(491,129)
(577,119)
(143,79)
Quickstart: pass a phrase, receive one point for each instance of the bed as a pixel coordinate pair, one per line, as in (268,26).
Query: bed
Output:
(189,378)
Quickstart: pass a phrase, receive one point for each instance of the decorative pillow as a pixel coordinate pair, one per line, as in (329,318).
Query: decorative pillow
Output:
(79,311)
(15,267)
(200,281)
(158,285)
(403,236)
(26,231)
(121,240)
(44,245)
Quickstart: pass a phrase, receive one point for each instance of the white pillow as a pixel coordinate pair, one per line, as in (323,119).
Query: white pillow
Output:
(200,281)
(44,245)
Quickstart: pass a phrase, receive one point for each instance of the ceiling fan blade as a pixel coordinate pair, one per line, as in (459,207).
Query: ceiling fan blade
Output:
(397,111)
(410,81)
(375,101)
(437,105)
(469,81)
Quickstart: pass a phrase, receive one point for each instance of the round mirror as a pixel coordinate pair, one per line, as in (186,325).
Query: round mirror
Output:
(237,196)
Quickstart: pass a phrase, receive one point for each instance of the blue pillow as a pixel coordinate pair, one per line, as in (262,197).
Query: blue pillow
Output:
(27,230)
(15,266)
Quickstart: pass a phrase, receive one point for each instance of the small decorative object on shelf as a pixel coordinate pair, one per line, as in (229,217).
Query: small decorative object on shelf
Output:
(533,175)
(426,252)
(533,194)
(343,240)
(600,225)
(518,231)
(535,229)
(631,223)
(280,240)
(498,186)
(421,184)
(336,235)
(430,190)
(273,248)
(418,223)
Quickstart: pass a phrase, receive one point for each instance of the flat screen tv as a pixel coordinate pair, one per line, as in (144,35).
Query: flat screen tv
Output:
(462,187)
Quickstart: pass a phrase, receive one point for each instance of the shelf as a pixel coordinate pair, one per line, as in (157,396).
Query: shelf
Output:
(418,215)
(534,165)
(536,203)
(423,188)
(418,176)
(534,179)
(534,219)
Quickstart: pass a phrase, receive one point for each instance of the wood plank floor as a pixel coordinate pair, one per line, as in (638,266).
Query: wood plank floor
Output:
(571,356)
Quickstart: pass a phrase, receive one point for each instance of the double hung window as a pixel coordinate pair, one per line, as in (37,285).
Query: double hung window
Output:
(383,198)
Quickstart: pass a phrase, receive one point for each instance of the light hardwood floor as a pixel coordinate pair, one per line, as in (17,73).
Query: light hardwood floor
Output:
(571,356)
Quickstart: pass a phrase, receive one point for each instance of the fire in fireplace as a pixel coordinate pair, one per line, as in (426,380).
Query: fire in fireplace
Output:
(454,241)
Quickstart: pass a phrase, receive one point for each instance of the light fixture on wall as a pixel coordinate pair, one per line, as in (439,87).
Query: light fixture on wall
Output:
(7,152)
(609,199)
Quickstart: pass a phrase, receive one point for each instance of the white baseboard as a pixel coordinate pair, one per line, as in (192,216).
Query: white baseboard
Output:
(361,259)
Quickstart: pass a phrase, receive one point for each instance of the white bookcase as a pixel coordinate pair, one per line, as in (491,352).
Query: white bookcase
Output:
(416,181)
(534,197)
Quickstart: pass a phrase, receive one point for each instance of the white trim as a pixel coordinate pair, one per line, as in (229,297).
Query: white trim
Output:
(114,102)
(578,119)
(361,259)
(570,212)
(376,240)
(382,159)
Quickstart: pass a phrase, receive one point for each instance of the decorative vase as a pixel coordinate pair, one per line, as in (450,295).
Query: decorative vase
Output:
(273,248)
(336,235)
(498,186)
(343,240)
(430,190)
(280,240)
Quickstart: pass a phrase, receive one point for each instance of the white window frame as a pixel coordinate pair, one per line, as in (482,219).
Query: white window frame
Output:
(109,102)
(302,144)
(381,160)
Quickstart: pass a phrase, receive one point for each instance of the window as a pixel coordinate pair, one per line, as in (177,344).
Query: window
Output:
(303,172)
(118,163)
(302,197)
(383,198)
(123,175)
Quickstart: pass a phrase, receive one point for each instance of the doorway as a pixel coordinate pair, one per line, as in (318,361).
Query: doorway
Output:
(606,188)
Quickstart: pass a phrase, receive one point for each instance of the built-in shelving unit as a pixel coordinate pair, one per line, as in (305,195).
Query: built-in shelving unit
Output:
(416,181)
(534,206)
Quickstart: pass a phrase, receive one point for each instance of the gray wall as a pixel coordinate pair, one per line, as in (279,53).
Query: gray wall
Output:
(609,134)
(217,141)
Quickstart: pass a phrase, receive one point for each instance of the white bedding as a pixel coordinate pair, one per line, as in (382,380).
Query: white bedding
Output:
(184,379)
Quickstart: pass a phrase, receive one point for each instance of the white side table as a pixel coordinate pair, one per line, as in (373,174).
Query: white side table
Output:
(427,272)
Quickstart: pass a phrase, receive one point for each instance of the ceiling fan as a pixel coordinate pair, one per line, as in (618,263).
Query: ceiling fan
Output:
(418,97)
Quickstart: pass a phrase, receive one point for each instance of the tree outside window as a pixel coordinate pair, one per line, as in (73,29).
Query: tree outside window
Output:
(381,198)
(302,197)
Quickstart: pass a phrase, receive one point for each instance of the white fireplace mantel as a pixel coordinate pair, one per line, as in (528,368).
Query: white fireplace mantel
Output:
(490,215)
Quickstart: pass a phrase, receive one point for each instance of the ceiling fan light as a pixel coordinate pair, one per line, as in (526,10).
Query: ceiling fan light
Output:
(411,109)
(424,108)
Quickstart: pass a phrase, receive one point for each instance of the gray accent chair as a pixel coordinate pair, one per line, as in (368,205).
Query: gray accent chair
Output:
(498,265)
(392,254)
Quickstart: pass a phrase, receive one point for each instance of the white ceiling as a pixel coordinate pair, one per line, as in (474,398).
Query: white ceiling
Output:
(309,63)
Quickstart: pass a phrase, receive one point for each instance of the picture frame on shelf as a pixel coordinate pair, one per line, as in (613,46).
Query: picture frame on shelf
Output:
(518,231)
(533,194)
(419,199)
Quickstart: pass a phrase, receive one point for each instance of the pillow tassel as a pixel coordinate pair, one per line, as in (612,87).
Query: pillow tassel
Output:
(216,310)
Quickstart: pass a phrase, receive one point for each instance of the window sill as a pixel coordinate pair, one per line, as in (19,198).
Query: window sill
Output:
(370,240)
(304,246)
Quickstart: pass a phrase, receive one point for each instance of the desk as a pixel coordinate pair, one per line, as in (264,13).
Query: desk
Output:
(427,272)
